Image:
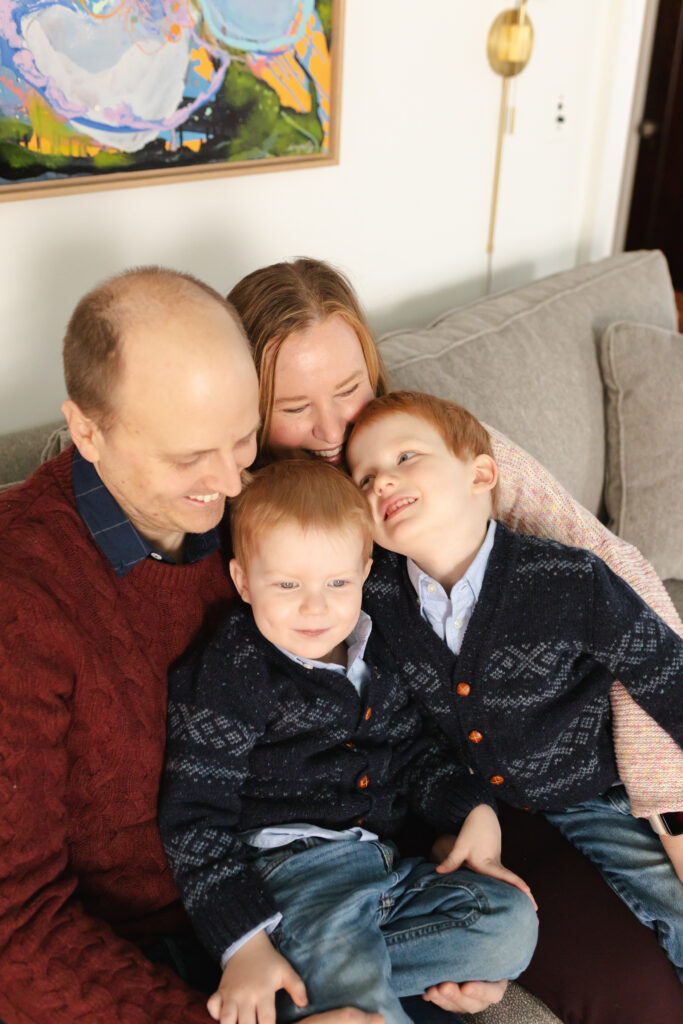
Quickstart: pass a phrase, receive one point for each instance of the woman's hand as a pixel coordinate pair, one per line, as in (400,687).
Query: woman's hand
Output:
(673,847)
(478,845)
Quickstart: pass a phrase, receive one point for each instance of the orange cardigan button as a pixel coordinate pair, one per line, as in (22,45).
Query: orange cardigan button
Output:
(363,782)
(475,736)
(463,689)
(496,780)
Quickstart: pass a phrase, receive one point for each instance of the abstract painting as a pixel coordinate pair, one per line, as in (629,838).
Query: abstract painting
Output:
(112,93)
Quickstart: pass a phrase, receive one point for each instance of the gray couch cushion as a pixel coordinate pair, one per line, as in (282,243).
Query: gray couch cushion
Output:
(59,439)
(642,368)
(675,591)
(517,1007)
(21,452)
(526,362)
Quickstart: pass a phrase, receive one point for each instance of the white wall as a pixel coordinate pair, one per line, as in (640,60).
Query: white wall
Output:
(406,211)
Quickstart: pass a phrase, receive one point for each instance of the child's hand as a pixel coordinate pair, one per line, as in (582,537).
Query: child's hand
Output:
(478,845)
(673,847)
(250,980)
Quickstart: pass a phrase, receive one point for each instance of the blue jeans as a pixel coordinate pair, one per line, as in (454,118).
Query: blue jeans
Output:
(363,927)
(632,861)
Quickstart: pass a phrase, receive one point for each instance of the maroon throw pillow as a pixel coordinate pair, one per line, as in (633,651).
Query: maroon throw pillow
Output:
(595,963)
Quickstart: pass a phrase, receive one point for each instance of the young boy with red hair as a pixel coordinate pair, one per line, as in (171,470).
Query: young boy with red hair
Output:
(295,750)
(516,641)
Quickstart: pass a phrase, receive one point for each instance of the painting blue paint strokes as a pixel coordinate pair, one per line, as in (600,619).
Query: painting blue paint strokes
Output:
(95,88)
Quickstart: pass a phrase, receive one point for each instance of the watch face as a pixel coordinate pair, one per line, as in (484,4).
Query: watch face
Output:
(673,822)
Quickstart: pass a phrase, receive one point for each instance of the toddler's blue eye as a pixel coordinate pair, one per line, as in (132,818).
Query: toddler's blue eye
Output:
(404,456)
(287,585)
(337,583)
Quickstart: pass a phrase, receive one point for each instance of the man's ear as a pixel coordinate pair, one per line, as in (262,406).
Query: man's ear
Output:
(485,474)
(85,433)
(239,578)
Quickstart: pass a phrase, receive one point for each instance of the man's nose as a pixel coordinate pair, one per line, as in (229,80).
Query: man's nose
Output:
(224,475)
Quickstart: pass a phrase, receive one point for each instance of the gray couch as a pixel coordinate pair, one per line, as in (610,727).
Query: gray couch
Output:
(584,370)
(559,366)
(581,369)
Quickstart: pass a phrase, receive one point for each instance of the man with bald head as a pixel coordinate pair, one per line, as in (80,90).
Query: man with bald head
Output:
(113,562)
(168,413)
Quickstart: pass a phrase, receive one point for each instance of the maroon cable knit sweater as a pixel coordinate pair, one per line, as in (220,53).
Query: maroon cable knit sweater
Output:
(83,663)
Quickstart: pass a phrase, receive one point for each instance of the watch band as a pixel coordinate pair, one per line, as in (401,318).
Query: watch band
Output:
(657,825)
(670,823)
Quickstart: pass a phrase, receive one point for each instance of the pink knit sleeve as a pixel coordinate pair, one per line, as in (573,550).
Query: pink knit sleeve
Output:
(530,500)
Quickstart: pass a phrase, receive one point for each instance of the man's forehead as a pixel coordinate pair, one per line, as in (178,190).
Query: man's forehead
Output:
(171,431)
(174,350)
(187,389)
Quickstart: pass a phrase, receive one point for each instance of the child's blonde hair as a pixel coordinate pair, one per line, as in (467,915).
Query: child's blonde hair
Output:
(305,492)
(461,431)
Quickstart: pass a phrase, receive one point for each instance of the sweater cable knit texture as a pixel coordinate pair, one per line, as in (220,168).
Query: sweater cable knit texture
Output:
(84,660)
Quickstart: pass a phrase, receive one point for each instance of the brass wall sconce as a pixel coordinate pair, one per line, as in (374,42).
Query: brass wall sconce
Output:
(508,48)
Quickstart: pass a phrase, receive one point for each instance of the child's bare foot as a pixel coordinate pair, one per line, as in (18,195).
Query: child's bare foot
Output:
(469,997)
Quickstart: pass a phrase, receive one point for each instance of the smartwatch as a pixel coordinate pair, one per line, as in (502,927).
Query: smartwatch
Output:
(668,824)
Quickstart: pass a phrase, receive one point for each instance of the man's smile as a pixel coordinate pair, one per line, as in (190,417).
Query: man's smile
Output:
(204,499)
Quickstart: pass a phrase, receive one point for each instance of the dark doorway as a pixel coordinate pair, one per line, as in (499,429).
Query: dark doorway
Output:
(656,216)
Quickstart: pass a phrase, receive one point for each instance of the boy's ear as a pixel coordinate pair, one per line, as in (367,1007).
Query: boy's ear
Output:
(239,578)
(366,570)
(485,474)
(85,433)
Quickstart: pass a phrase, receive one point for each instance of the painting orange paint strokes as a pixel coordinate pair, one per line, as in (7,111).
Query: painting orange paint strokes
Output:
(114,93)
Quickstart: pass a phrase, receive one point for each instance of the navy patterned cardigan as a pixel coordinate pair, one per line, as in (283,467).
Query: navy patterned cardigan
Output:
(255,739)
(526,702)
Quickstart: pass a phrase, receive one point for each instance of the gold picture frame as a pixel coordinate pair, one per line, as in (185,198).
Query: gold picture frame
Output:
(102,94)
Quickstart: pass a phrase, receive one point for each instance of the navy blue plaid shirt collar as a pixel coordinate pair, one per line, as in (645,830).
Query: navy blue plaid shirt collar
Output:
(113,531)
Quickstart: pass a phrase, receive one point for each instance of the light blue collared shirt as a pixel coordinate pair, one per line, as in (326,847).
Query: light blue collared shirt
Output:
(355,670)
(449,615)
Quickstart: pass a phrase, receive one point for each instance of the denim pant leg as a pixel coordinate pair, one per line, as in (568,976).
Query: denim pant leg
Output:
(343,904)
(459,927)
(330,894)
(632,861)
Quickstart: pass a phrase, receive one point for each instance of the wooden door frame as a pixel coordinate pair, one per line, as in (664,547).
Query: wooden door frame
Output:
(637,110)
